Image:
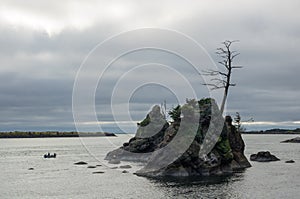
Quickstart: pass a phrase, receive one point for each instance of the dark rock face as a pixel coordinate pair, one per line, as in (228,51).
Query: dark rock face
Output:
(263,156)
(237,146)
(198,143)
(148,136)
(294,140)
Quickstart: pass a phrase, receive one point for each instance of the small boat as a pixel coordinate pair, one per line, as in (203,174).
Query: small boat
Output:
(48,155)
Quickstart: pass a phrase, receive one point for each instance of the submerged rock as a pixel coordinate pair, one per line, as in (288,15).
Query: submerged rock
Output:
(198,142)
(98,172)
(125,167)
(114,161)
(80,163)
(263,156)
(294,140)
(31,169)
(124,171)
(290,161)
(91,167)
(109,134)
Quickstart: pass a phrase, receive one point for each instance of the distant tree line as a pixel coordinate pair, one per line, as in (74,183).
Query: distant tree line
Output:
(36,134)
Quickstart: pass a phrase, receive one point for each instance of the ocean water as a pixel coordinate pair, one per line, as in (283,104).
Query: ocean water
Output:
(60,178)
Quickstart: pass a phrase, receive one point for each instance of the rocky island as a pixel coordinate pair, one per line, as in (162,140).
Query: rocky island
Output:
(293,140)
(198,142)
(264,156)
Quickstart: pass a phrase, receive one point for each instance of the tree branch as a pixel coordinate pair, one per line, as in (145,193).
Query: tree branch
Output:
(224,81)
(236,66)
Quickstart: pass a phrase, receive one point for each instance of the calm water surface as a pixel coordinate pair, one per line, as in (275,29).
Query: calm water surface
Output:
(60,178)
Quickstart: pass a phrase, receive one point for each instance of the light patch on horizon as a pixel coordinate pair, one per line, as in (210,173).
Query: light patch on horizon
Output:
(264,125)
(271,123)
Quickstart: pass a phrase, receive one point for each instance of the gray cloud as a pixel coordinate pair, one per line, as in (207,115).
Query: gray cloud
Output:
(39,61)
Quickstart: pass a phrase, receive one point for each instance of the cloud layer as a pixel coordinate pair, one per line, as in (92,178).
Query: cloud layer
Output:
(44,44)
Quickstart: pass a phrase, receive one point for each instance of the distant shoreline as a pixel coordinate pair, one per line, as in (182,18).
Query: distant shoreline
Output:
(275,132)
(58,134)
(54,134)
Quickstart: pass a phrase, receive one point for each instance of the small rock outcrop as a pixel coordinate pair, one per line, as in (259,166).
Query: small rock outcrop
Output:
(98,172)
(263,156)
(199,141)
(114,160)
(80,163)
(290,161)
(294,140)
(109,134)
(125,167)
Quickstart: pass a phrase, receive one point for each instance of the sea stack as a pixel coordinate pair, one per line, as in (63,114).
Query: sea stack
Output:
(199,141)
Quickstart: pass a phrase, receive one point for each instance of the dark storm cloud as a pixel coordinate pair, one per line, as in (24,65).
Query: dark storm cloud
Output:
(40,57)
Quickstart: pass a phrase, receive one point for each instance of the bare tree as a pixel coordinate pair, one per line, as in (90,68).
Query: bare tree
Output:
(222,78)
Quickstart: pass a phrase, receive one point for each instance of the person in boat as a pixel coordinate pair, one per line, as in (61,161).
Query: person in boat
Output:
(48,155)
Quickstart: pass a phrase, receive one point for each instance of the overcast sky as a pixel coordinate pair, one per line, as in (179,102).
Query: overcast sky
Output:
(44,43)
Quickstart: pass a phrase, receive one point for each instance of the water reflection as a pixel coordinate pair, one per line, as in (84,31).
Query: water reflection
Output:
(200,186)
(187,181)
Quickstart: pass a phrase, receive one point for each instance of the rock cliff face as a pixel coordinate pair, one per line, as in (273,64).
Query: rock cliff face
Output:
(149,135)
(197,142)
